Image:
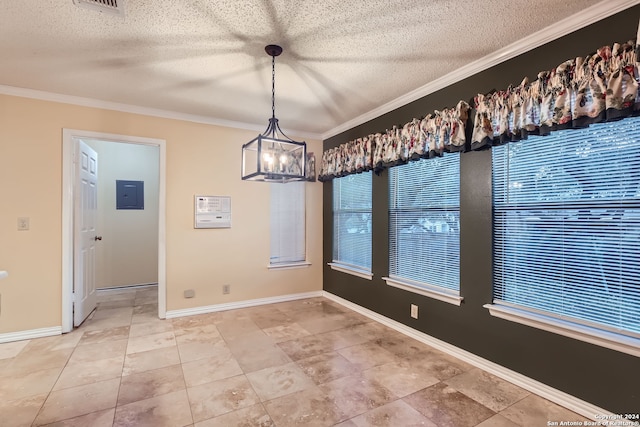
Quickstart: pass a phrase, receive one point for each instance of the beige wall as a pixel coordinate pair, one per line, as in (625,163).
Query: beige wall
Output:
(201,159)
(128,251)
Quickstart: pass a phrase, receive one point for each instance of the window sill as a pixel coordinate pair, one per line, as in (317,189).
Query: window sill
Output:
(288,266)
(428,291)
(577,331)
(351,270)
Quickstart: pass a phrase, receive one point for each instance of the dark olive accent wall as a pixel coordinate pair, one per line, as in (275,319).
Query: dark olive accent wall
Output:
(603,377)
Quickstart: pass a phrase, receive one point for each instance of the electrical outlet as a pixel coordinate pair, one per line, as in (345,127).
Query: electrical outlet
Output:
(23,224)
(414,311)
(226,289)
(189,293)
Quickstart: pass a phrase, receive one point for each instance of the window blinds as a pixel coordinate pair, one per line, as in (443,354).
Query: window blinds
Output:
(352,220)
(288,242)
(567,225)
(424,221)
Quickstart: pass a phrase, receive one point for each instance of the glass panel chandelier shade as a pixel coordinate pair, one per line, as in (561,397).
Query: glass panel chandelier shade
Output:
(272,159)
(272,156)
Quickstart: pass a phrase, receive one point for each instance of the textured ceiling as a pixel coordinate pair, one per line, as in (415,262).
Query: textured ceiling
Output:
(206,58)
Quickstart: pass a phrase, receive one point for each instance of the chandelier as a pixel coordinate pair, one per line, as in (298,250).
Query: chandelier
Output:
(272,156)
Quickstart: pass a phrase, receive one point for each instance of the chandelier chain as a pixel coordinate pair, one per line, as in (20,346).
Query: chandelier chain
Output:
(273,87)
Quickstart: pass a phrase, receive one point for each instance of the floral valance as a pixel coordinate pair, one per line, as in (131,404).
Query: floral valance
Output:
(428,137)
(599,87)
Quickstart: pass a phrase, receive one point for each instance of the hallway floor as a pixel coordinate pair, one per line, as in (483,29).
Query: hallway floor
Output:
(302,363)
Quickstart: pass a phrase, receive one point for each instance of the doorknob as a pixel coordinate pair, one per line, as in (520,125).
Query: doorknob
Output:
(97,238)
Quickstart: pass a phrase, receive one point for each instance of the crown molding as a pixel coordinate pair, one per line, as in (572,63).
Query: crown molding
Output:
(135,109)
(559,29)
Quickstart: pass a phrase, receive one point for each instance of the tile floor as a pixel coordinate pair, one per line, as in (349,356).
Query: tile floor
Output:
(302,363)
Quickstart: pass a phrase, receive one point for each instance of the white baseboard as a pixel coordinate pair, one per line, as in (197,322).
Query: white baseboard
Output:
(31,333)
(126,287)
(240,304)
(561,398)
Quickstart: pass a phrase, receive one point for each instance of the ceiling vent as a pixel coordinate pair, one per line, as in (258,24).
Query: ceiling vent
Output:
(114,7)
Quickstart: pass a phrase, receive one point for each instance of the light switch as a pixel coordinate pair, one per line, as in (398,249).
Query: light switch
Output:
(23,223)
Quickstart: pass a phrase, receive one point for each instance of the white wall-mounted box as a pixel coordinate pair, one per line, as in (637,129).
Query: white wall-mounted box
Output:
(212,212)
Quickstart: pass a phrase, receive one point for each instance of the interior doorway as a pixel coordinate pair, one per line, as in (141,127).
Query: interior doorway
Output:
(72,140)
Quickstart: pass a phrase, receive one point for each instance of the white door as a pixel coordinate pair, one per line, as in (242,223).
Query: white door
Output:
(85,234)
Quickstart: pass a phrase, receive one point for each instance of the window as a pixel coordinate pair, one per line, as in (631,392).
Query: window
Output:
(567,232)
(288,242)
(424,227)
(352,224)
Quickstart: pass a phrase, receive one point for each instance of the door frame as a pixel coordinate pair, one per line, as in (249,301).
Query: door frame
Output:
(68,195)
